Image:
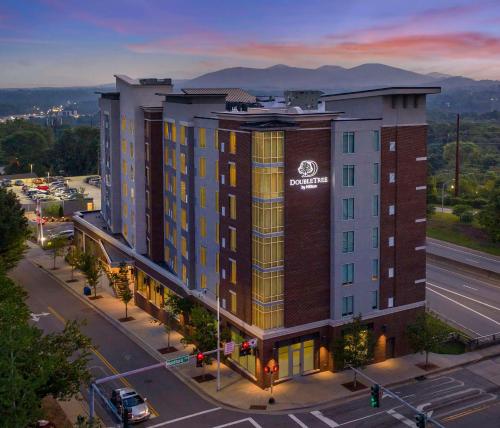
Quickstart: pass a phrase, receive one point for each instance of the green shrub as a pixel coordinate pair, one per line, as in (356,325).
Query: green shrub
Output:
(458,210)
(466,217)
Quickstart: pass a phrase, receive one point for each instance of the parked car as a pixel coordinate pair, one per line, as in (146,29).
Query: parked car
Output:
(42,187)
(130,403)
(69,234)
(92,177)
(37,181)
(18,183)
(7,182)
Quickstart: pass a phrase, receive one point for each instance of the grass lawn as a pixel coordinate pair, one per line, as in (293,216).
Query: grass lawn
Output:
(449,347)
(446,227)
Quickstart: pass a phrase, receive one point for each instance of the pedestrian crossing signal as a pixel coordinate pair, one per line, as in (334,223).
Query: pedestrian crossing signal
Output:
(375,396)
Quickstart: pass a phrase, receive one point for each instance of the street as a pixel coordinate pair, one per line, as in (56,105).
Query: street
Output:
(463,397)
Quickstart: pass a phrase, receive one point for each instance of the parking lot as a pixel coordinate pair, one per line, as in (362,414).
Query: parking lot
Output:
(78,185)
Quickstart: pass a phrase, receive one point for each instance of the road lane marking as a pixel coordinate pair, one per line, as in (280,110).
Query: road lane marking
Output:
(468,286)
(193,415)
(331,423)
(401,418)
(466,307)
(365,417)
(240,421)
(36,317)
(462,251)
(489,284)
(464,296)
(473,261)
(297,421)
(103,359)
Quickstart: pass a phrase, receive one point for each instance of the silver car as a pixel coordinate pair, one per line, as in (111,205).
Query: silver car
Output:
(130,403)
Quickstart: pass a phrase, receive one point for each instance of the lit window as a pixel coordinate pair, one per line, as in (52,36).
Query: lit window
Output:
(183,191)
(167,254)
(183,135)
(347,274)
(202,169)
(216,139)
(184,273)
(267,182)
(203,197)
(232,238)
(267,147)
(347,305)
(348,175)
(232,174)
(202,140)
(174,159)
(174,211)
(174,132)
(184,219)
(233,271)
(217,200)
(203,256)
(232,207)
(203,281)
(267,217)
(348,142)
(348,242)
(217,232)
(174,185)
(183,163)
(232,142)
(166,134)
(233,302)
(348,209)
(166,152)
(217,170)
(124,167)
(184,247)
(203,227)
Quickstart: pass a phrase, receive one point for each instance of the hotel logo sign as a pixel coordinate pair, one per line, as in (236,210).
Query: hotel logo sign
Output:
(308,170)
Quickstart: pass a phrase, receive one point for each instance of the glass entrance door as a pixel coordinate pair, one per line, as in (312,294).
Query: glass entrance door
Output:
(296,358)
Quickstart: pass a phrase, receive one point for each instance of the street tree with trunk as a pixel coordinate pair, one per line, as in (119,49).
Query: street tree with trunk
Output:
(425,334)
(91,267)
(56,246)
(73,259)
(172,311)
(123,288)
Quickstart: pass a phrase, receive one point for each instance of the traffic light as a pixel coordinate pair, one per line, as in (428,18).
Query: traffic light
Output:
(199,359)
(245,348)
(375,396)
(276,368)
(420,420)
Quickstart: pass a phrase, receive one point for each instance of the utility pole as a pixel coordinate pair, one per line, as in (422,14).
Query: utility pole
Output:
(457,158)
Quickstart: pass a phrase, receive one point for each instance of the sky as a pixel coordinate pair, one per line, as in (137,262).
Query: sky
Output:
(86,42)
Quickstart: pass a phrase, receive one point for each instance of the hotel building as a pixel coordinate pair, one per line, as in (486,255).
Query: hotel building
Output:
(301,218)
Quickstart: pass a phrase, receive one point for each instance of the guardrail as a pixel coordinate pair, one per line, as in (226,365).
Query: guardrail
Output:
(484,341)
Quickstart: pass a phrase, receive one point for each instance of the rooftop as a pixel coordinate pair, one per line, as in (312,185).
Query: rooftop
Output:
(390,90)
(233,95)
(150,81)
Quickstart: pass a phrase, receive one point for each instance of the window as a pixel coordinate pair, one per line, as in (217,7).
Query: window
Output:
(174,159)
(203,281)
(174,132)
(174,211)
(183,191)
(184,219)
(375,205)
(232,174)
(166,154)
(217,262)
(203,197)
(203,256)
(217,232)
(267,217)
(217,170)
(232,238)
(232,142)
(375,173)
(392,209)
(166,134)
(375,237)
(392,146)
(267,317)
(174,185)
(348,142)
(232,207)
(184,273)
(183,135)
(348,242)
(375,269)
(167,254)
(216,139)
(217,200)
(376,141)
(348,209)
(267,286)
(202,167)
(203,227)
(392,177)
(131,149)
(233,271)
(347,305)
(267,183)
(391,241)
(348,175)
(390,273)
(347,274)
(202,140)
(184,251)
(233,302)
(183,163)
(374,299)
(124,167)
(267,147)
(268,251)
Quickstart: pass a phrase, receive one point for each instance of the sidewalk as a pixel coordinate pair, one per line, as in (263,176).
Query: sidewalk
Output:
(236,391)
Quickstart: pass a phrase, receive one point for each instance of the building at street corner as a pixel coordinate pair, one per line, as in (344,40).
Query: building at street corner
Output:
(302,218)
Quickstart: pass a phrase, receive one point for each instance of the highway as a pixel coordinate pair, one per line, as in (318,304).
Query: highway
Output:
(463,255)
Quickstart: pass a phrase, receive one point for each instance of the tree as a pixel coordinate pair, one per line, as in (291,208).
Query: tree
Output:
(34,365)
(425,334)
(91,267)
(124,292)
(56,246)
(73,259)
(355,348)
(172,310)
(202,330)
(22,148)
(489,216)
(13,229)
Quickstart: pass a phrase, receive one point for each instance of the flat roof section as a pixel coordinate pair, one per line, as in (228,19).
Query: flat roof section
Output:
(153,81)
(376,92)
(233,95)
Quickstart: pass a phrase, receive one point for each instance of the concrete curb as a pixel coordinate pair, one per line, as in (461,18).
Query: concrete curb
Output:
(190,383)
(485,273)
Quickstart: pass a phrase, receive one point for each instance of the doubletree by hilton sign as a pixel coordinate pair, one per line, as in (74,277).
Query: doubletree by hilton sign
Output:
(308,170)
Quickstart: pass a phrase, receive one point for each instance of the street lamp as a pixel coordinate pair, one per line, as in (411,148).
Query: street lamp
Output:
(442,193)
(31,168)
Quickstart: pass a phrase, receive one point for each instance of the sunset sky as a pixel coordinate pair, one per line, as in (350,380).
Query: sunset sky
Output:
(69,42)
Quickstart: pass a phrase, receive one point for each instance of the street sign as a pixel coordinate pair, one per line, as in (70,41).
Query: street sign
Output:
(177,361)
(228,348)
